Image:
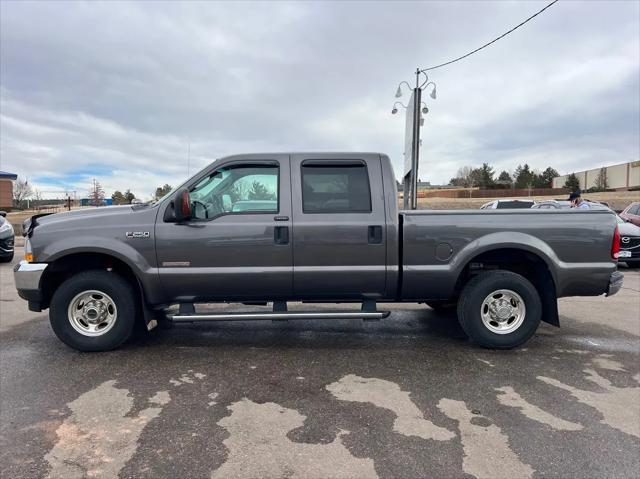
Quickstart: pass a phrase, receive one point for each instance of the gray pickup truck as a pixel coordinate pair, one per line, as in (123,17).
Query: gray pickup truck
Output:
(311,227)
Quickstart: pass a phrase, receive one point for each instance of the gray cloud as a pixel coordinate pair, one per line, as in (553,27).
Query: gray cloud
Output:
(119,89)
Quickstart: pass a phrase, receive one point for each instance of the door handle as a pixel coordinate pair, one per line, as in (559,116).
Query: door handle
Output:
(281,235)
(375,234)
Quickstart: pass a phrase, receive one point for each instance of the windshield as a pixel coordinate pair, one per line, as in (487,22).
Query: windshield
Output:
(173,190)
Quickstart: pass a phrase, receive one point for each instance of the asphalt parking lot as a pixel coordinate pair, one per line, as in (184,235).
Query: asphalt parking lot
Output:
(403,397)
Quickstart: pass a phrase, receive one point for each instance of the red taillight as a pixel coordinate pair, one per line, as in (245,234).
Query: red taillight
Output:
(615,246)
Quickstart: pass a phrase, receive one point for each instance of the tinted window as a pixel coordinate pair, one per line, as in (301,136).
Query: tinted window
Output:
(236,189)
(335,189)
(514,204)
(634,210)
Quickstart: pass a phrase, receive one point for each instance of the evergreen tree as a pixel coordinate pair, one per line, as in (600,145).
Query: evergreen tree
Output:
(128,196)
(547,176)
(505,176)
(162,190)
(572,182)
(260,192)
(485,176)
(524,176)
(118,198)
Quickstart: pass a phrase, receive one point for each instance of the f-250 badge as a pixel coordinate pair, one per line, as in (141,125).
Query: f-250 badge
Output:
(137,234)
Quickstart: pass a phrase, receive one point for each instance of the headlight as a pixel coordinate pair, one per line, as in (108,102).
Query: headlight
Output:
(6,226)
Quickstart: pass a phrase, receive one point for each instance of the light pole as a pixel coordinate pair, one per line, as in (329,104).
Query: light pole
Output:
(414,121)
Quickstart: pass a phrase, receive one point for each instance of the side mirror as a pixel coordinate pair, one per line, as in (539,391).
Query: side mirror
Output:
(182,205)
(3,214)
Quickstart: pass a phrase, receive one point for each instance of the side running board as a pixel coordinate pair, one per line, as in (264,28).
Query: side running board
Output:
(280,313)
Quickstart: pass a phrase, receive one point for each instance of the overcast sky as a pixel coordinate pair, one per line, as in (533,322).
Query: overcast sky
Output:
(116,90)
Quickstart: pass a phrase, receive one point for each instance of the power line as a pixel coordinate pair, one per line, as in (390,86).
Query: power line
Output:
(492,41)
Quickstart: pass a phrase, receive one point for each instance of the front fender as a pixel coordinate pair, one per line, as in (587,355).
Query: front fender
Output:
(141,267)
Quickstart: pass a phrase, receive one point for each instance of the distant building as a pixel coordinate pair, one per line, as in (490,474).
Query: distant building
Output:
(6,190)
(619,177)
(87,202)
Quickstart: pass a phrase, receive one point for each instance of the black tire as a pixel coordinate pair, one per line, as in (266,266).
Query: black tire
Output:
(633,265)
(6,259)
(113,285)
(471,301)
(439,305)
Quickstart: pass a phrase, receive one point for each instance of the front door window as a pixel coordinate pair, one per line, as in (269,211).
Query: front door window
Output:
(236,189)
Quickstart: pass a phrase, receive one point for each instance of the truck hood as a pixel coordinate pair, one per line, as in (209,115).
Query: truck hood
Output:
(628,229)
(85,212)
(76,217)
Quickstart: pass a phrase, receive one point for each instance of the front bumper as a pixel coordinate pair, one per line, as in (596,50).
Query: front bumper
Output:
(632,259)
(615,283)
(27,277)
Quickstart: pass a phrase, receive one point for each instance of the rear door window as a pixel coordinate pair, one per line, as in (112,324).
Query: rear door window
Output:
(335,189)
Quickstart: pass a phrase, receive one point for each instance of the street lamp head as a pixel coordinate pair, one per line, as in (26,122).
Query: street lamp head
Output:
(398,92)
(394,110)
(433,92)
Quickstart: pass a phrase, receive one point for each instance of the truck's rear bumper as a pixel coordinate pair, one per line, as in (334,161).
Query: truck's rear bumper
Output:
(27,277)
(615,283)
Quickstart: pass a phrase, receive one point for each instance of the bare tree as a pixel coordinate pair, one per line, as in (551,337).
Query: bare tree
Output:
(21,191)
(96,194)
(37,198)
(602,183)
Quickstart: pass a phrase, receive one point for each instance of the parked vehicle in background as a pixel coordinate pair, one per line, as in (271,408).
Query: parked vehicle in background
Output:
(629,243)
(507,204)
(552,205)
(632,213)
(565,204)
(312,227)
(7,238)
(629,233)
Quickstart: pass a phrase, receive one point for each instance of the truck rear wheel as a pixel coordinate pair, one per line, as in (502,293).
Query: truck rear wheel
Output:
(93,311)
(499,309)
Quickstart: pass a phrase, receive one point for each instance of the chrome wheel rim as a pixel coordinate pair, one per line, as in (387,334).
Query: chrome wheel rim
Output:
(92,313)
(503,311)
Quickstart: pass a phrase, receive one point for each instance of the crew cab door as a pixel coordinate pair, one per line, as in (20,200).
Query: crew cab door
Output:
(237,246)
(339,227)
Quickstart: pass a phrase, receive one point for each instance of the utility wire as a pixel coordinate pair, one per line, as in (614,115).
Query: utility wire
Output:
(492,41)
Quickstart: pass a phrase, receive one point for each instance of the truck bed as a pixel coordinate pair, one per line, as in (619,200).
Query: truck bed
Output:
(438,245)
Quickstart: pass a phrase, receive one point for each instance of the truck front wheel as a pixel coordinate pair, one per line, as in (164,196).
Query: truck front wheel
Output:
(499,309)
(93,311)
